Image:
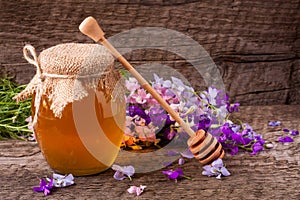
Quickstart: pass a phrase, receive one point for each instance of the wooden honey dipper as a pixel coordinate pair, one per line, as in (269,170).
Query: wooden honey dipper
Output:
(203,145)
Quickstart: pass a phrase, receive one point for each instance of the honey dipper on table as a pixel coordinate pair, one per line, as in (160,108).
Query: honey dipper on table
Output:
(203,145)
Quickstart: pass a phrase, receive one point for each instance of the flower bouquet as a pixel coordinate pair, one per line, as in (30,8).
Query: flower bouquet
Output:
(149,126)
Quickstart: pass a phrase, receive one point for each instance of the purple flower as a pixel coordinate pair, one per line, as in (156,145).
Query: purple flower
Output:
(180,86)
(216,169)
(274,123)
(286,130)
(158,116)
(214,97)
(257,147)
(238,138)
(180,161)
(135,110)
(233,137)
(232,107)
(210,95)
(221,114)
(247,141)
(294,132)
(137,190)
(222,98)
(178,173)
(204,122)
(291,132)
(233,149)
(168,133)
(168,121)
(226,129)
(44,186)
(285,139)
(122,171)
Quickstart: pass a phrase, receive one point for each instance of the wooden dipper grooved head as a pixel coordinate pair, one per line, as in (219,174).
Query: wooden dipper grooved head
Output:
(91,28)
(205,147)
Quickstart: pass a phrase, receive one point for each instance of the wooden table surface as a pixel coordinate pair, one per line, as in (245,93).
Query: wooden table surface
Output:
(272,174)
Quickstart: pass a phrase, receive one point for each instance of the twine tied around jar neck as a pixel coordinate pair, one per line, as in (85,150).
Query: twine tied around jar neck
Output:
(34,60)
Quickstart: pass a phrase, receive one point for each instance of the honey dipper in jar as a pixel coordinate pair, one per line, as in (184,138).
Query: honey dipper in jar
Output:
(203,145)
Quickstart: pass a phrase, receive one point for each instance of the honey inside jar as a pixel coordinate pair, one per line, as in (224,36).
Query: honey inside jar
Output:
(87,137)
(78,106)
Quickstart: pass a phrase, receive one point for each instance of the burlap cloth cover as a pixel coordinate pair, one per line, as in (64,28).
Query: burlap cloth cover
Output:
(66,72)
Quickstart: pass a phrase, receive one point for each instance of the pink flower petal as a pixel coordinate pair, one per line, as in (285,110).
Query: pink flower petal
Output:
(132,189)
(137,190)
(28,119)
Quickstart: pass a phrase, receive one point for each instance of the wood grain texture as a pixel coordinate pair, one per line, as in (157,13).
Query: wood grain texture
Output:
(272,174)
(255,43)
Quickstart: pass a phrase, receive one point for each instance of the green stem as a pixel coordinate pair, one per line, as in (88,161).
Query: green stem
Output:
(8,103)
(17,128)
(16,110)
(7,119)
(245,148)
(187,177)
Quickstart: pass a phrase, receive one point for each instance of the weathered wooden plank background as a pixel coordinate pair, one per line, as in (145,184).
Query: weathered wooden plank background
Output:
(255,43)
(273,174)
(256,46)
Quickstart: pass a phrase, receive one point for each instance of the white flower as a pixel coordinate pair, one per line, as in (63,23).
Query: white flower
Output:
(62,181)
(122,171)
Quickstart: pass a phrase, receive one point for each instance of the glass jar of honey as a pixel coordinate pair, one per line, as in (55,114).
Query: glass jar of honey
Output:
(78,107)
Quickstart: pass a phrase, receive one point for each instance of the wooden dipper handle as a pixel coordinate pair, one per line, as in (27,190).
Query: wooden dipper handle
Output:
(91,28)
(208,149)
